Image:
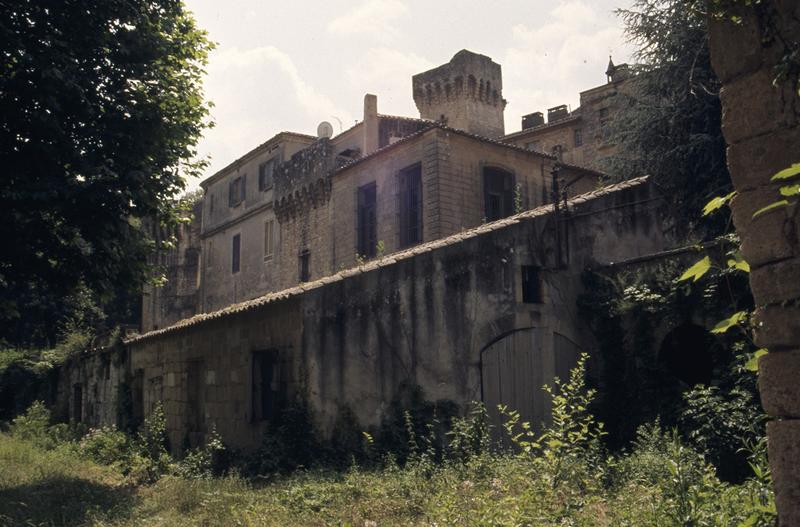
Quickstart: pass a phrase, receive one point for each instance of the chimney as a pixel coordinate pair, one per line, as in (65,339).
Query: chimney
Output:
(557,112)
(370,140)
(532,119)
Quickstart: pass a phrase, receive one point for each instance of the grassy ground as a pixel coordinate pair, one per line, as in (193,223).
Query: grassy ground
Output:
(61,487)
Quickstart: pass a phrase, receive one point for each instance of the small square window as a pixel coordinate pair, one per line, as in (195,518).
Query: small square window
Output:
(531,285)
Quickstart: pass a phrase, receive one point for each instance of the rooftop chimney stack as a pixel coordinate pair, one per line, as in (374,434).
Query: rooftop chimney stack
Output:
(532,120)
(370,141)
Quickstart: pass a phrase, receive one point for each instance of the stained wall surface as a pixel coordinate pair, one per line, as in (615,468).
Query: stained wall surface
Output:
(424,316)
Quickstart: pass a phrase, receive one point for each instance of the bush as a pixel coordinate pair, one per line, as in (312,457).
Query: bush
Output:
(205,462)
(107,445)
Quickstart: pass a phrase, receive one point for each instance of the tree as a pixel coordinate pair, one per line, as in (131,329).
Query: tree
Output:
(102,107)
(670,127)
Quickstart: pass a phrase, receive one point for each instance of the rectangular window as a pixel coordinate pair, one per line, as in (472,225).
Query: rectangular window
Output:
(305,266)
(266,385)
(77,403)
(265,175)
(578,137)
(498,190)
(367,221)
(269,239)
(410,206)
(235,253)
(237,191)
(531,285)
(210,254)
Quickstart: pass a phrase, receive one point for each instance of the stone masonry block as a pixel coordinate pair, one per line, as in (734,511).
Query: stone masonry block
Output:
(752,162)
(777,327)
(752,106)
(784,460)
(778,376)
(772,235)
(742,53)
(776,282)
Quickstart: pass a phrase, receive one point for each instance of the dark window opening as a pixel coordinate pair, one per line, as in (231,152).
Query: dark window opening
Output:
(578,137)
(266,385)
(236,191)
(77,403)
(531,285)
(498,190)
(688,353)
(236,253)
(410,206)
(305,273)
(265,171)
(367,221)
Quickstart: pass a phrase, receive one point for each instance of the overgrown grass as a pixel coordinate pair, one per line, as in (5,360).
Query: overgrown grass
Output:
(561,477)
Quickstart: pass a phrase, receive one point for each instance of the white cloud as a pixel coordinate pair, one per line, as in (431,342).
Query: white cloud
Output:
(564,54)
(387,73)
(372,18)
(257,93)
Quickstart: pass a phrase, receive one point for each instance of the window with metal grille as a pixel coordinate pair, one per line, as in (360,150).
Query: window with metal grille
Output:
(578,137)
(367,221)
(531,285)
(236,244)
(498,191)
(410,181)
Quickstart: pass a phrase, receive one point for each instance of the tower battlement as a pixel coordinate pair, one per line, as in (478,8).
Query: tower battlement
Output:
(466,93)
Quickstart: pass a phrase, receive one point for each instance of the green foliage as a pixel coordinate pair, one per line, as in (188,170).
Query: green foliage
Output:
(206,461)
(697,270)
(102,110)
(469,437)
(107,445)
(289,443)
(669,123)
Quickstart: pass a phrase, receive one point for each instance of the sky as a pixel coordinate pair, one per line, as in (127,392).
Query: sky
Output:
(287,66)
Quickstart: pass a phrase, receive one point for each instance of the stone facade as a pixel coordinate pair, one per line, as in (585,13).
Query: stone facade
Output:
(583,137)
(441,315)
(466,93)
(402,250)
(761,124)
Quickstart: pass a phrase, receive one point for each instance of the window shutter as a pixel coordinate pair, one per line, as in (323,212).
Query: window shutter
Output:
(230,193)
(242,189)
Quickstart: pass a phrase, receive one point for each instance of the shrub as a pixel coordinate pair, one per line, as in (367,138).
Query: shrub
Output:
(107,445)
(204,462)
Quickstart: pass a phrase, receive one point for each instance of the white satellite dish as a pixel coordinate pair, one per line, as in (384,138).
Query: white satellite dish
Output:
(325,129)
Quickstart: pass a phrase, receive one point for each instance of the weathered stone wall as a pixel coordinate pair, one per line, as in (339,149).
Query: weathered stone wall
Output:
(90,387)
(467,92)
(177,298)
(423,316)
(761,117)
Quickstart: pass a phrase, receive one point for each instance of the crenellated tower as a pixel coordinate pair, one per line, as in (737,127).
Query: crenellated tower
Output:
(465,93)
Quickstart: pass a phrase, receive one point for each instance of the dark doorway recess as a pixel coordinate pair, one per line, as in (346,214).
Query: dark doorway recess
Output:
(688,353)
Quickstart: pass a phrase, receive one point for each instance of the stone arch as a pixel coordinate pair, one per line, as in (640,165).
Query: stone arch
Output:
(687,352)
(472,85)
(459,85)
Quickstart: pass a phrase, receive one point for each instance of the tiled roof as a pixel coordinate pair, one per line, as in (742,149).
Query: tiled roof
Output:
(435,124)
(385,261)
(249,154)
